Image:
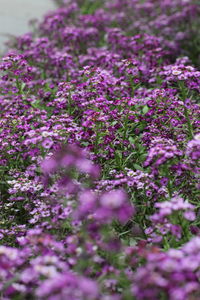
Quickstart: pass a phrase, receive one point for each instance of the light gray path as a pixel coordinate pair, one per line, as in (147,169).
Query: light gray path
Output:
(15,15)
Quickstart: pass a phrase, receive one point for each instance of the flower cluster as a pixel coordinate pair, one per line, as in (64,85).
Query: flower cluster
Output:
(99,153)
(172,273)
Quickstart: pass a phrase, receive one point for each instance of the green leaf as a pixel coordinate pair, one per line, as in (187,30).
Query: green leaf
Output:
(131,140)
(138,167)
(118,158)
(23,86)
(36,104)
(133,242)
(128,158)
(145,109)
(85,144)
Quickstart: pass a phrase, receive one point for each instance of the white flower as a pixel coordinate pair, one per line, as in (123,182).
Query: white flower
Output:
(45,134)
(31,133)
(176,72)
(131,173)
(197,137)
(38,187)
(17,186)
(11,181)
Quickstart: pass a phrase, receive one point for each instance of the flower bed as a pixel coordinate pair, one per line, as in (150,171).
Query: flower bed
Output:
(100,151)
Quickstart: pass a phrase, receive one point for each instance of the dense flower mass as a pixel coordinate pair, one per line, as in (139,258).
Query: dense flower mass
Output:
(100,153)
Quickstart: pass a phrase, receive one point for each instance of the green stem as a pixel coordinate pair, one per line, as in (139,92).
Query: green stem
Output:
(184,97)
(169,186)
(125,127)
(166,243)
(189,124)
(18,86)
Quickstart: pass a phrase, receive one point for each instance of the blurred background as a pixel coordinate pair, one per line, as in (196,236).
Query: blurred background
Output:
(15,15)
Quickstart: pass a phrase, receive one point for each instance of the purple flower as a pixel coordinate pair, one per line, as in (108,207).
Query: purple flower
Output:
(47,143)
